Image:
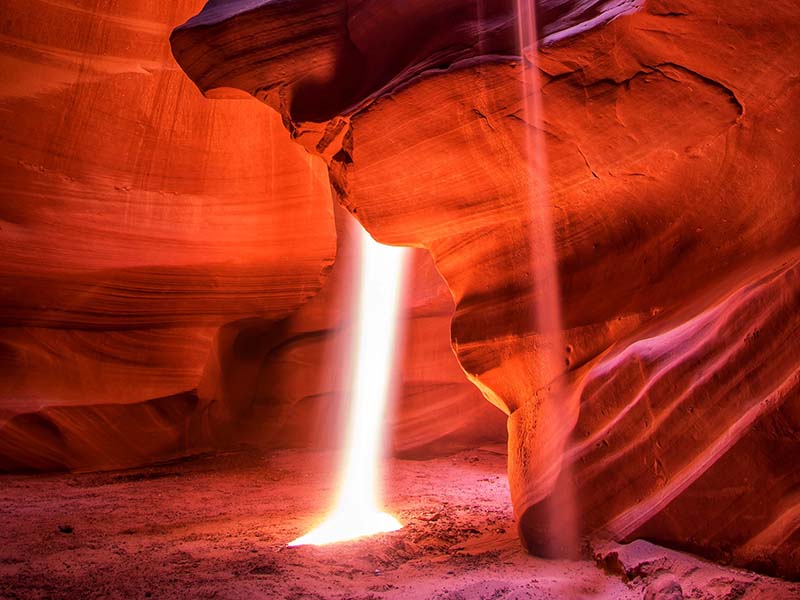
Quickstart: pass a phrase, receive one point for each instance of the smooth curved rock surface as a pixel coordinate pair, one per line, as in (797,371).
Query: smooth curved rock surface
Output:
(672,141)
(156,247)
(315,60)
(137,217)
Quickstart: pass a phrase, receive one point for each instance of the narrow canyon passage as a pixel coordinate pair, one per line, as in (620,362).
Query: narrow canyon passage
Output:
(596,354)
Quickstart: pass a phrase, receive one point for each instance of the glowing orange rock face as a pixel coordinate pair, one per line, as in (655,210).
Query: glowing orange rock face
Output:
(143,229)
(137,217)
(672,136)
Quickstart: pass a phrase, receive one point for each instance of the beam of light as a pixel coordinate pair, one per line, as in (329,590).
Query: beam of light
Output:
(357,512)
(557,411)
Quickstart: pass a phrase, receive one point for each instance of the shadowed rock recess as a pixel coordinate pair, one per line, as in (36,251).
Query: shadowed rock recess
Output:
(673,147)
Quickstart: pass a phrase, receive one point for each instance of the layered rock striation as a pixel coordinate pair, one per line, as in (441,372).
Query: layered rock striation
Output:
(141,226)
(137,217)
(672,147)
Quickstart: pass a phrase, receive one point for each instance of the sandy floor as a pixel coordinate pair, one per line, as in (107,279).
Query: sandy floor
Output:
(217,527)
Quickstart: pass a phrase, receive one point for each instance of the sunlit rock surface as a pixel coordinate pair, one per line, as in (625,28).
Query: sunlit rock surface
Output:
(137,219)
(673,146)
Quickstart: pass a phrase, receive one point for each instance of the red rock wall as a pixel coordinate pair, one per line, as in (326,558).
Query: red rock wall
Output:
(137,218)
(672,141)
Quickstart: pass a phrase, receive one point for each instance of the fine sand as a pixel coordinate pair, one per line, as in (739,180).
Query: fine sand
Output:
(217,527)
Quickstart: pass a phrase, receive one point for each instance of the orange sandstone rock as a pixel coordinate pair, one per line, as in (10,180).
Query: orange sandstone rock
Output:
(156,247)
(673,143)
(137,217)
